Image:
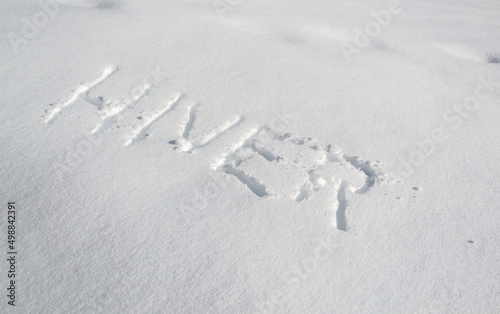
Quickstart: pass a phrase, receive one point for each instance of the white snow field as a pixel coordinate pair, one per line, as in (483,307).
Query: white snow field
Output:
(250,156)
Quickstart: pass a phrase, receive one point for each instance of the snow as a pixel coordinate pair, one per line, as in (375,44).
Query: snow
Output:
(229,156)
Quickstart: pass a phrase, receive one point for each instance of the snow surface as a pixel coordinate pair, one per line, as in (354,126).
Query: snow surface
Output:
(238,156)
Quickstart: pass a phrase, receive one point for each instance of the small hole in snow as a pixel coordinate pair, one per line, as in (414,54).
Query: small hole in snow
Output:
(493,59)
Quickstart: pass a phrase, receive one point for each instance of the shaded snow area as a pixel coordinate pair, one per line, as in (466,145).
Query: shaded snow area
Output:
(237,156)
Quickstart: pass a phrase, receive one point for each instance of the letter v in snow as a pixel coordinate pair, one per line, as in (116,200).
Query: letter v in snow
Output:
(186,145)
(184,142)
